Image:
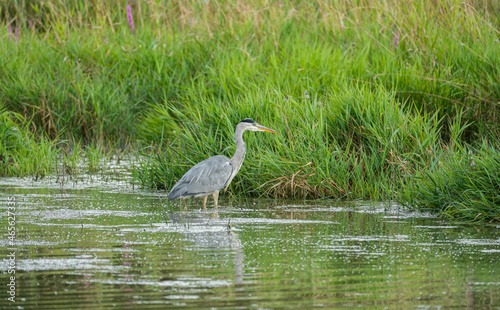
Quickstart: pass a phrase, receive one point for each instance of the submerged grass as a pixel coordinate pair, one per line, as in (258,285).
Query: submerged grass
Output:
(365,94)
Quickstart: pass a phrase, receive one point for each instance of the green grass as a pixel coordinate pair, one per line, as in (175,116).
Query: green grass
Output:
(464,184)
(391,86)
(20,153)
(92,79)
(23,154)
(350,143)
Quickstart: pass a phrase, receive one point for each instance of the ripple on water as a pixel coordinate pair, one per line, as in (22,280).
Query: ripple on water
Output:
(116,247)
(85,262)
(476,242)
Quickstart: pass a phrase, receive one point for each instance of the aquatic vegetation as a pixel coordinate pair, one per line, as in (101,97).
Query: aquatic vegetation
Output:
(94,156)
(464,184)
(24,154)
(21,154)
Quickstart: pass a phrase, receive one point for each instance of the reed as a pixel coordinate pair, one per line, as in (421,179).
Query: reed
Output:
(20,153)
(350,143)
(462,184)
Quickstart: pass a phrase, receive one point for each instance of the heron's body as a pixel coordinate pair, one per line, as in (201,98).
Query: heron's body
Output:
(199,180)
(213,174)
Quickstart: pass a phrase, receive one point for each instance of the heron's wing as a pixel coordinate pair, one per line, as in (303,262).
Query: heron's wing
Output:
(204,178)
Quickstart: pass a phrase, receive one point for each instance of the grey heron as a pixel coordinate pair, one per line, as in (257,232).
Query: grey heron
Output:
(213,174)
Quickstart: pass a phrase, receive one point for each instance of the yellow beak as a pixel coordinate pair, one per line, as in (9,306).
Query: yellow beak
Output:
(263,128)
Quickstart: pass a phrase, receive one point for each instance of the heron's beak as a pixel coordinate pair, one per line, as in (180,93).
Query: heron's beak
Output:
(263,128)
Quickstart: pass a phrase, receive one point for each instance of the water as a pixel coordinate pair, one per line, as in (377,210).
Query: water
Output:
(98,246)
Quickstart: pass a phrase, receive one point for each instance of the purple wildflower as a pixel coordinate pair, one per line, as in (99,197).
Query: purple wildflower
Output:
(17,34)
(10,32)
(130,18)
(396,40)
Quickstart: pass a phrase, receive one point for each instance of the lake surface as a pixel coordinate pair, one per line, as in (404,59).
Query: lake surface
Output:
(105,245)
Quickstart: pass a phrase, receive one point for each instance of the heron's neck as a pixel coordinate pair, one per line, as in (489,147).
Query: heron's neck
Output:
(239,155)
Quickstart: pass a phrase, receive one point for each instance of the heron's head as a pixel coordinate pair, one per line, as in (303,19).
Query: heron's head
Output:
(250,124)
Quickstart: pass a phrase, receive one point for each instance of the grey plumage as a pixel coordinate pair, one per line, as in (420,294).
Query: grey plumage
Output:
(204,178)
(213,174)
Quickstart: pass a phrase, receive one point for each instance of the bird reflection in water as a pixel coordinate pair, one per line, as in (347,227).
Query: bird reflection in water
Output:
(213,237)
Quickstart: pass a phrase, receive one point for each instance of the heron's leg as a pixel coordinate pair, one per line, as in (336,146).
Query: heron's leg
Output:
(216,198)
(205,203)
(216,210)
(185,205)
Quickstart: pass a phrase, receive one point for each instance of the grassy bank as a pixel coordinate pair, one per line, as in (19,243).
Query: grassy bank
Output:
(365,94)
(21,154)
(91,77)
(349,143)
(464,183)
